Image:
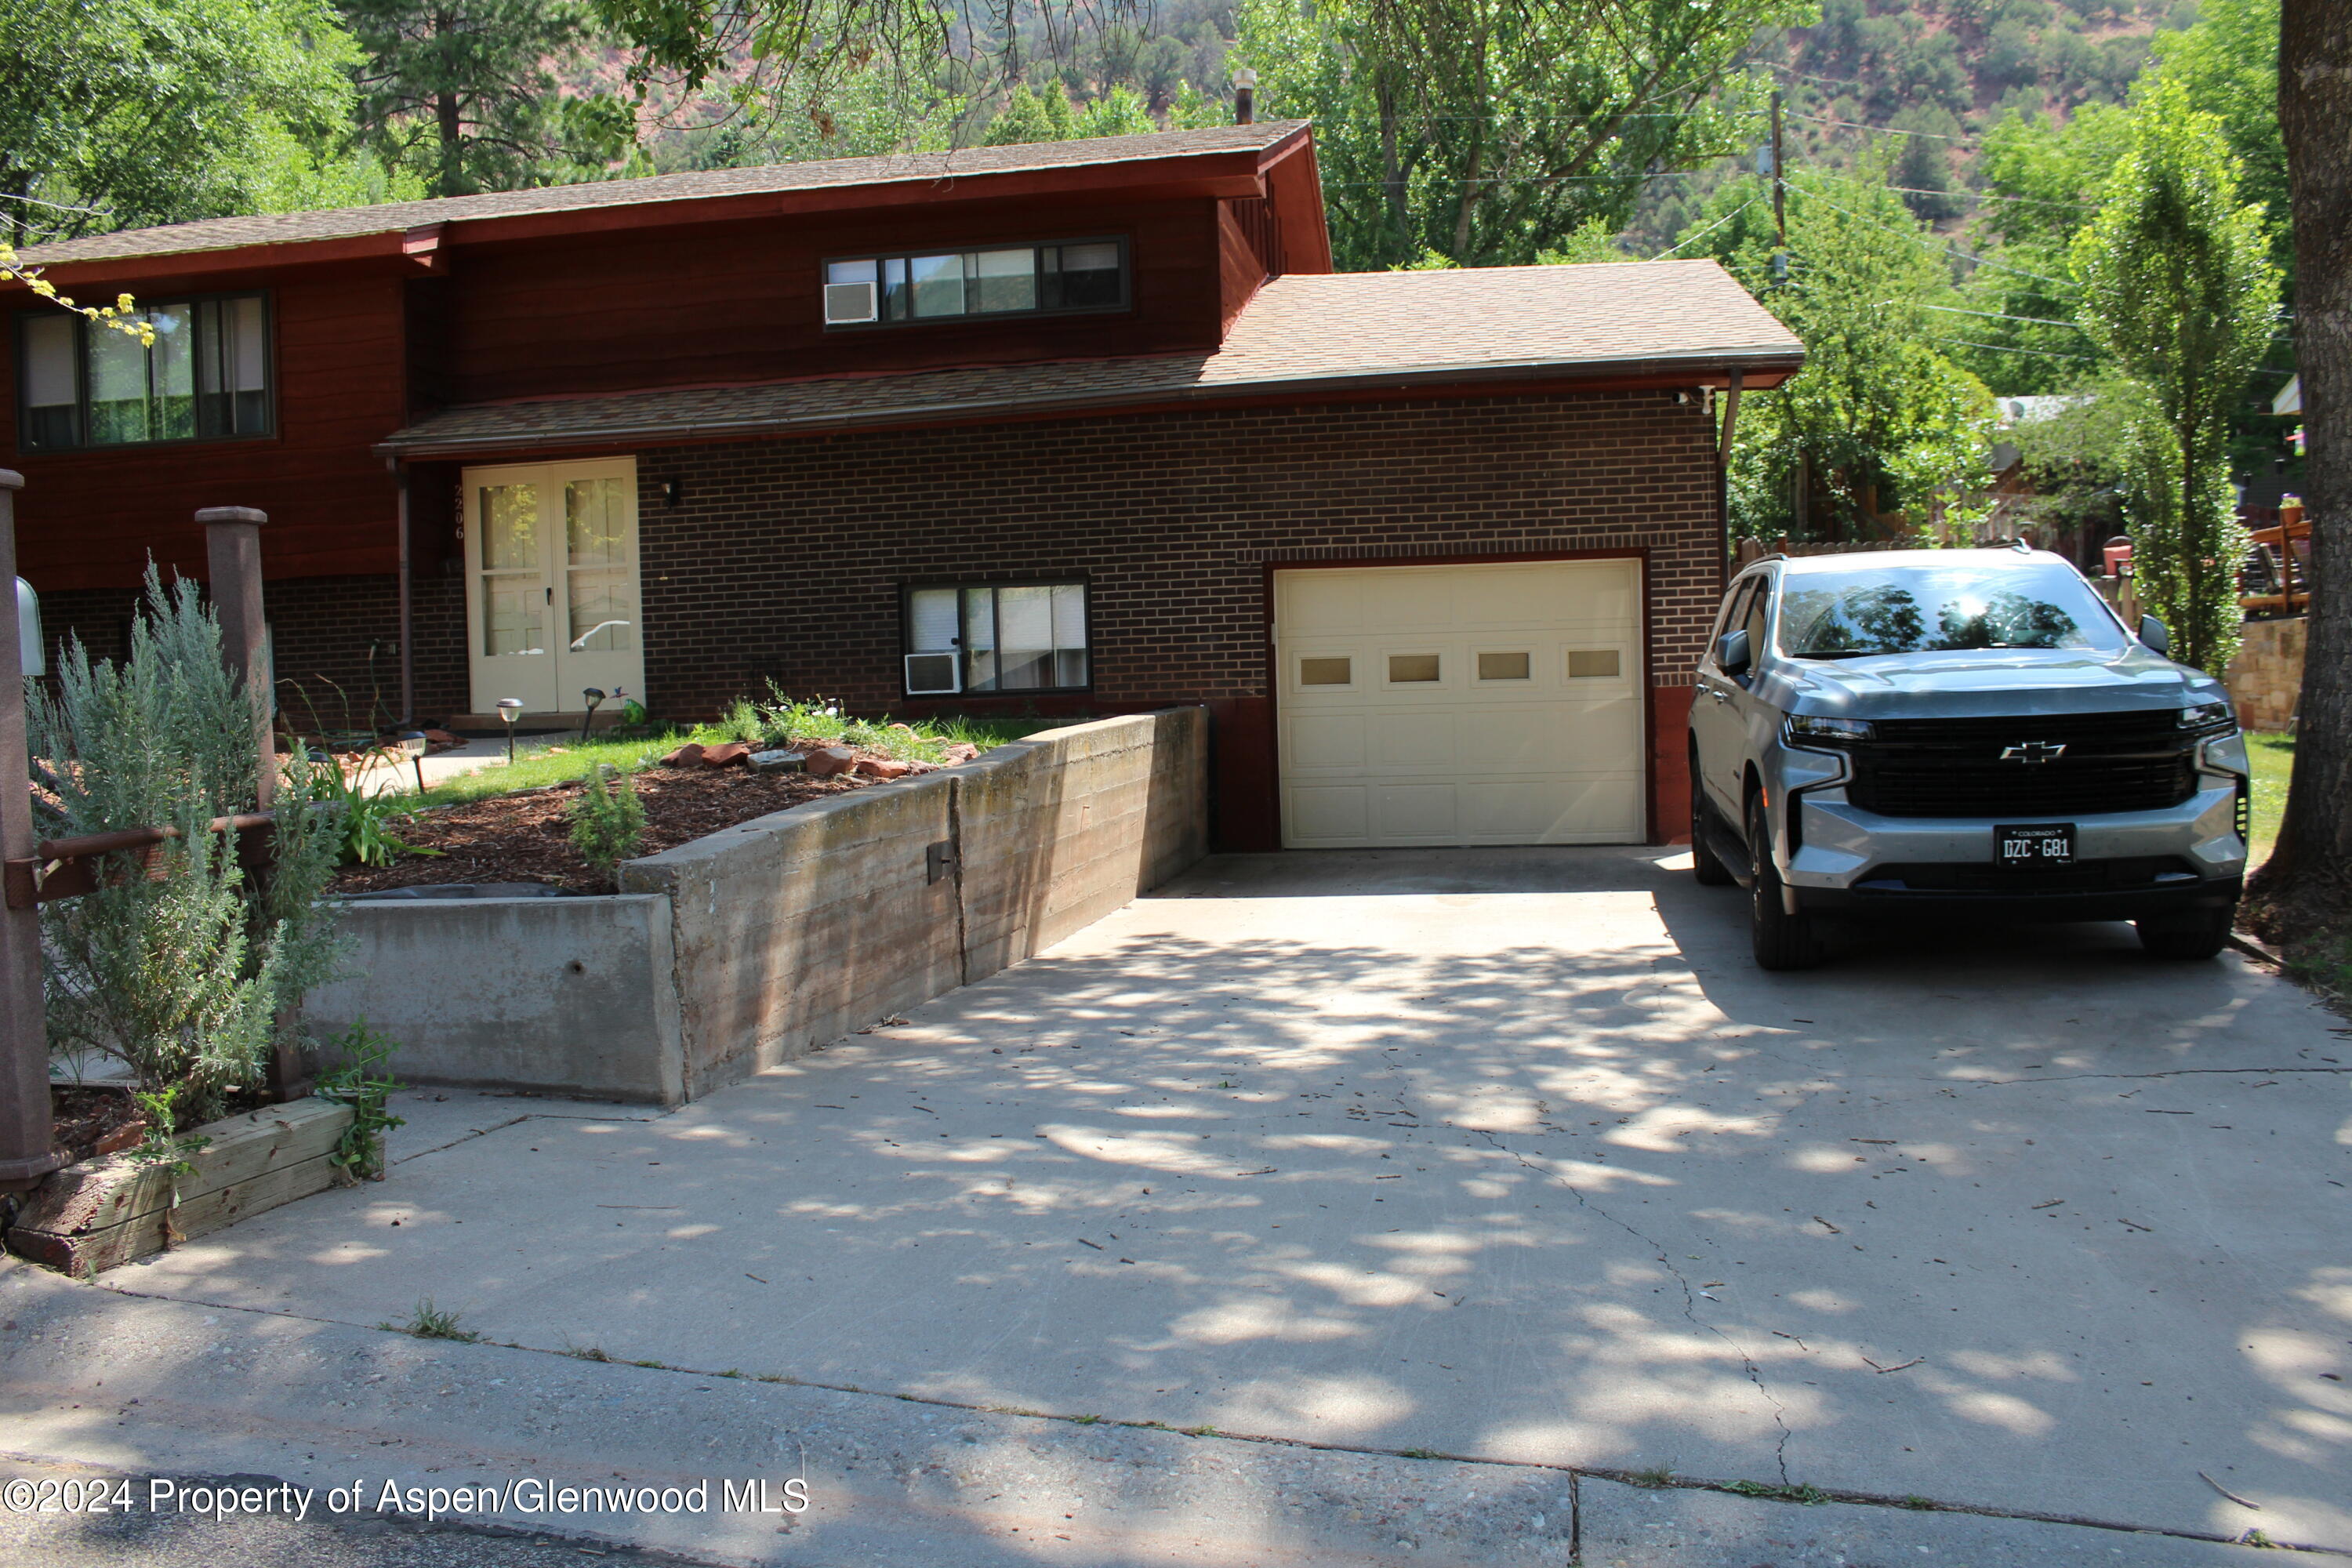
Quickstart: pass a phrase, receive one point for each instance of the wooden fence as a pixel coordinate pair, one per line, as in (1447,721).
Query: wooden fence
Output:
(34,872)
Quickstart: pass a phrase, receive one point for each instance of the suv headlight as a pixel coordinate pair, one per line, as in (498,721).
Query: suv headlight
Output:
(2204,716)
(1813,730)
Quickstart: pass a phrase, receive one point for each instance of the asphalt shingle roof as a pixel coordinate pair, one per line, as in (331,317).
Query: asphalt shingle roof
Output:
(903,168)
(1320,331)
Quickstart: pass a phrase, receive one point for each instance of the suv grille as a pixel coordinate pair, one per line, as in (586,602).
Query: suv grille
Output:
(1954,767)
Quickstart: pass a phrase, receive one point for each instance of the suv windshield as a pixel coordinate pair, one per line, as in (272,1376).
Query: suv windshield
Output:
(1871,611)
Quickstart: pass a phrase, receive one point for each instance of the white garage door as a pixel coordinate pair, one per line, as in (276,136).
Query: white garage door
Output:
(1497,704)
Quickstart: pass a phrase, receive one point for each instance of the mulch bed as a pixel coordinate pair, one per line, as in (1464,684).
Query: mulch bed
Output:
(85,1118)
(527,838)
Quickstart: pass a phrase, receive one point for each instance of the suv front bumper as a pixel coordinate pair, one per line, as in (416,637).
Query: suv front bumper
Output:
(2128,864)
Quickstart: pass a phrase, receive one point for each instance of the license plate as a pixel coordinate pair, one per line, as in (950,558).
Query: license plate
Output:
(2039,844)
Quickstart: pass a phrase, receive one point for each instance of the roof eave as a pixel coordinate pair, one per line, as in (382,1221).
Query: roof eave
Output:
(1756,370)
(1233,172)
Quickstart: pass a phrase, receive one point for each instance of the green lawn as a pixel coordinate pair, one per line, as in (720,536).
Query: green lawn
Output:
(576,761)
(2273,756)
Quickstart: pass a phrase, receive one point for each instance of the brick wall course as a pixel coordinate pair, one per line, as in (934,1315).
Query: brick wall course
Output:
(784,560)
(326,633)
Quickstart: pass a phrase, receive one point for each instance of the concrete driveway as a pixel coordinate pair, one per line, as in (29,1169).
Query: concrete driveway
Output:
(1501,1154)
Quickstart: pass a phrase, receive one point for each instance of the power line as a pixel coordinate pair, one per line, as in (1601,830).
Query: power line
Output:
(1998,197)
(1999,316)
(1710,228)
(1883,130)
(1941,249)
(2010,349)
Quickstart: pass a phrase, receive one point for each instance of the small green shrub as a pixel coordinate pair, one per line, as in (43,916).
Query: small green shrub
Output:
(178,966)
(364,822)
(362,1084)
(161,1149)
(608,819)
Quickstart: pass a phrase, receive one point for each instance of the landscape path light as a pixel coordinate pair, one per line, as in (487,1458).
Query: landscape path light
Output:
(509,709)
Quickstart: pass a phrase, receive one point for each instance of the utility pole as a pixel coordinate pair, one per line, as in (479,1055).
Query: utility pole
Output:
(1779,208)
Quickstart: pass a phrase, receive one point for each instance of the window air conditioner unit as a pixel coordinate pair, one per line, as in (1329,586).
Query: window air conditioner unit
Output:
(846,304)
(931,675)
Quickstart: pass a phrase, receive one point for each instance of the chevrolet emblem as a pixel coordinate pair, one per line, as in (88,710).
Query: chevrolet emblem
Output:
(2034,752)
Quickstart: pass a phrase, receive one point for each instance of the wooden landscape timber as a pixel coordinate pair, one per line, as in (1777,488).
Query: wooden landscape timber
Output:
(107,1212)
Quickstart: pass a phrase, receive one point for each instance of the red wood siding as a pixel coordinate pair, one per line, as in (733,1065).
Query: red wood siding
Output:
(1245,238)
(91,518)
(1294,190)
(741,302)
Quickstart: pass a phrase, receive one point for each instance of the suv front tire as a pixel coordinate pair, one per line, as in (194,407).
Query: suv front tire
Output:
(1779,939)
(2191,934)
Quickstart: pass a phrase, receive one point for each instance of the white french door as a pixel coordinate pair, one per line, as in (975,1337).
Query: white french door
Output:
(552,592)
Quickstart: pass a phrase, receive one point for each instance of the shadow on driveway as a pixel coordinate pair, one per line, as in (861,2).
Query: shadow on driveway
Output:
(1497,1153)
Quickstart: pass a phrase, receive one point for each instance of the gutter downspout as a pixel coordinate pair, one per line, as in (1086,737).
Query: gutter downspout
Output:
(408,642)
(1723,484)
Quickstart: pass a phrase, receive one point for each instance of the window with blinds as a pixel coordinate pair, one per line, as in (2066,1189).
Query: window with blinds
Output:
(997,637)
(205,376)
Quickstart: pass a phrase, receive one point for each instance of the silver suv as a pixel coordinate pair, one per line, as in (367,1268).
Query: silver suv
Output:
(1960,730)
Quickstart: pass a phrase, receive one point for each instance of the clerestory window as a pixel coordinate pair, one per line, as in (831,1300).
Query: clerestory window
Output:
(948,285)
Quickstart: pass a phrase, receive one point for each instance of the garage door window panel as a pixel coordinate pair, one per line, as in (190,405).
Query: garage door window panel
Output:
(1595,664)
(1416,668)
(1326,672)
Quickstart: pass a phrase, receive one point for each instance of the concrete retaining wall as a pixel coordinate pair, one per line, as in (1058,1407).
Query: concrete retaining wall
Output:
(2267,677)
(568,995)
(744,949)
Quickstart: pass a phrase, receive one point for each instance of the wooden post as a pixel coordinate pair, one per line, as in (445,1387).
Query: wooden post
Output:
(25,1143)
(233,556)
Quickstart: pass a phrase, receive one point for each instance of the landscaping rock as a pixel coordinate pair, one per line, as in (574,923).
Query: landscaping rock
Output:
(686,756)
(732,753)
(827,760)
(777,761)
(876,768)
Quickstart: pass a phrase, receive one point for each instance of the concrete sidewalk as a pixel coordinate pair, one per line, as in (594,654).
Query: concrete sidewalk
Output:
(133,1390)
(1506,1156)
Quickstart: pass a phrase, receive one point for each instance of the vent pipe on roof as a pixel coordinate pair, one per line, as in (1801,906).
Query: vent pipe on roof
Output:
(1245,96)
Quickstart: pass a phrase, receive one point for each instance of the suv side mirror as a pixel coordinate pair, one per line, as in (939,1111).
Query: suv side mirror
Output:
(1732,653)
(2154,632)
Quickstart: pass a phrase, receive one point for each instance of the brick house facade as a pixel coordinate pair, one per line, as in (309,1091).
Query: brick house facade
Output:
(1241,420)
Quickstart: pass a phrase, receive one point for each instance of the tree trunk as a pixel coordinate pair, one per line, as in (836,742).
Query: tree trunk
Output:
(2307,884)
(1392,174)
(448,124)
(1470,191)
(446,120)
